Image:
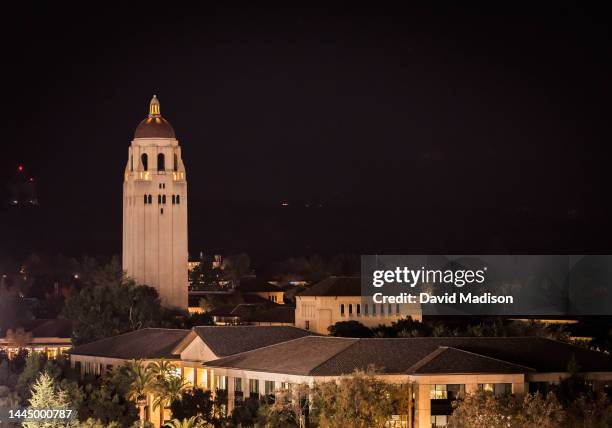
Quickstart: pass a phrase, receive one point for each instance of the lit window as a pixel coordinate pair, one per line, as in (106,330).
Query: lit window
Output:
(439,421)
(221,382)
(446,392)
(254,387)
(496,388)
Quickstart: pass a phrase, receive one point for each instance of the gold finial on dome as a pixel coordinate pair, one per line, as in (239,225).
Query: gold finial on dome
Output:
(154,107)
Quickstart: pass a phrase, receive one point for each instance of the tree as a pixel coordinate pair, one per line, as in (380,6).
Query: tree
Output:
(192,422)
(349,329)
(106,399)
(194,402)
(592,411)
(141,381)
(8,398)
(94,423)
(537,410)
(235,267)
(482,409)
(18,337)
(246,414)
(35,364)
(109,309)
(357,401)
(167,387)
(45,395)
(13,308)
(289,409)
(58,368)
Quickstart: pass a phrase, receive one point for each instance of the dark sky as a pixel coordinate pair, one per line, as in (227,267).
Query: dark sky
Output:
(416,130)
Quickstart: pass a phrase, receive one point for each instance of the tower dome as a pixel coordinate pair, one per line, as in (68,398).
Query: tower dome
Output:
(154,125)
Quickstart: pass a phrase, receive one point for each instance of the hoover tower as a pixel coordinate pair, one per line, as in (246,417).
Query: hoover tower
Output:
(155,210)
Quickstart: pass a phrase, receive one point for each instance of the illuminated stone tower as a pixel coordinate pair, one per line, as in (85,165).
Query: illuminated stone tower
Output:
(155,210)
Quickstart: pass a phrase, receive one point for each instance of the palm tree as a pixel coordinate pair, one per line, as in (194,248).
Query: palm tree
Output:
(168,386)
(192,422)
(142,381)
(163,369)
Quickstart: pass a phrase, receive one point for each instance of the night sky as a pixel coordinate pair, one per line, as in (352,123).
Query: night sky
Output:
(422,130)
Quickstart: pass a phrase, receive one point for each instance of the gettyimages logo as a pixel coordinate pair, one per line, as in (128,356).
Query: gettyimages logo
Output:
(491,284)
(414,277)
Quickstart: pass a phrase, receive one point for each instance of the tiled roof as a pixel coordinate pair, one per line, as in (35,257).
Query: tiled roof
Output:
(452,360)
(252,284)
(230,340)
(147,343)
(331,356)
(58,327)
(335,286)
(279,314)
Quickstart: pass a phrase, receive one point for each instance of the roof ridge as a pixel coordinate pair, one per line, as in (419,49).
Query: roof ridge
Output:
(427,358)
(105,339)
(355,340)
(466,337)
(257,349)
(442,349)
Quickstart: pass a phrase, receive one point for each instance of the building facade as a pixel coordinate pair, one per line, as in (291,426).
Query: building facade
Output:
(155,210)
(337,299)
(239,362)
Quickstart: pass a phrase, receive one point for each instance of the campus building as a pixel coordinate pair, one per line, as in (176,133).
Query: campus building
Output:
(187,349)
(244,361)
(337,299)
(49,336)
